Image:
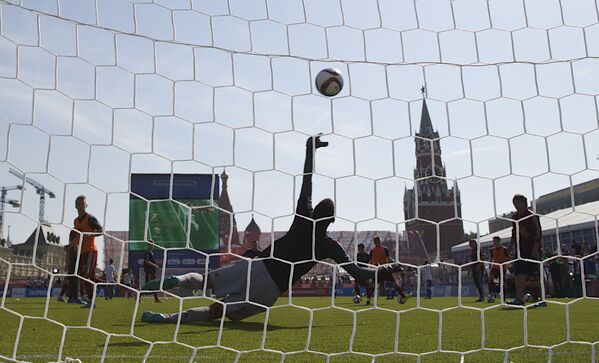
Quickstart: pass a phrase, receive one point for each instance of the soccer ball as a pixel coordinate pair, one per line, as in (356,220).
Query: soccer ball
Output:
(527,297)
(357,299)
(329,82)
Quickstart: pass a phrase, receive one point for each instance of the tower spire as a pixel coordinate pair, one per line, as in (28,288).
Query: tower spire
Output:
(430,199)
(225,202)
(227,218)
(426,125)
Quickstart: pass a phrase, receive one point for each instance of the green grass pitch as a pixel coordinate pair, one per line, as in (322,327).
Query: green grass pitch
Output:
(287,331)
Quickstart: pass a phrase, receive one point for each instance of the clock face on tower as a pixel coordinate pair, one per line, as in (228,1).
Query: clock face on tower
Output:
(438,173)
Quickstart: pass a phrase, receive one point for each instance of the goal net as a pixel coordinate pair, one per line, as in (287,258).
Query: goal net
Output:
(449,109)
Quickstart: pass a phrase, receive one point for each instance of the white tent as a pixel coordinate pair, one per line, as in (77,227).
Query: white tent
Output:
(581,217)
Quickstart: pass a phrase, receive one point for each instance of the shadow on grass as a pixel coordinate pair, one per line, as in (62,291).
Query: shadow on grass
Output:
(125,344)
(238,325)
(243,325)
(513,308)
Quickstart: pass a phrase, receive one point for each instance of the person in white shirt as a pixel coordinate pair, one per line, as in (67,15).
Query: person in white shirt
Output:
(128,281)
(110,274)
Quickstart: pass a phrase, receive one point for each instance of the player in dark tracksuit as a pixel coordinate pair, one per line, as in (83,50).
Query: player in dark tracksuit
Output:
(72,282)
(526,237)
(363,259)
(150,267)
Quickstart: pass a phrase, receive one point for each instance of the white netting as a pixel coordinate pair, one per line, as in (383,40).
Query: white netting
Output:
(92,92)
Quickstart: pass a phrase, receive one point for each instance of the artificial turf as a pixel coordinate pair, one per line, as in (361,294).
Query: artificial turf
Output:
(115,326)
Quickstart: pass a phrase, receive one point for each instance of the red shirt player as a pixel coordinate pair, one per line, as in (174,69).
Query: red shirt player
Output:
(379,255)
(499,254)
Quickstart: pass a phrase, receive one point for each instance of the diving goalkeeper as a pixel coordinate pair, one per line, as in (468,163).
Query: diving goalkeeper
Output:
(271,274)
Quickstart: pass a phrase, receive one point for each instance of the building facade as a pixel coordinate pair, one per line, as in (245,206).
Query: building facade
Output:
(49,255)
(115,247)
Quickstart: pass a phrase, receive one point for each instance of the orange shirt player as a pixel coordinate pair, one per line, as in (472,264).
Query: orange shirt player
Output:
(379,255)
(88,227)
(499,254)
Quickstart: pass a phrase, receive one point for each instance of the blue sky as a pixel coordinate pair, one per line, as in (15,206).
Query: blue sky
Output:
(94,91)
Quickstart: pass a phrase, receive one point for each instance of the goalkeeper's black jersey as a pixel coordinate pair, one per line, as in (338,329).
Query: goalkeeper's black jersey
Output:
(306,242)
(363,258)
(297,246)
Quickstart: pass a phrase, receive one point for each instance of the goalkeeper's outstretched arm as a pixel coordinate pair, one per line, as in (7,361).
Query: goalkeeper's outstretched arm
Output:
(304,202)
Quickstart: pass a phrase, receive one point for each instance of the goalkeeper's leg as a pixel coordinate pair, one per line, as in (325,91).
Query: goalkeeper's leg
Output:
(229,283)
(202,314)
(237,310)
(194,315)
(190,281)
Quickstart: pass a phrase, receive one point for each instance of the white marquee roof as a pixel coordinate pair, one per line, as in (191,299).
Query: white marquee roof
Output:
(582,216)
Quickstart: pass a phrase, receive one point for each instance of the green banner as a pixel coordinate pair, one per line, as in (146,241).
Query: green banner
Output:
(169,222)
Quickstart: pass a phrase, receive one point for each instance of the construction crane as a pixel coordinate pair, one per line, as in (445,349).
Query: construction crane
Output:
(13,202)
(39,189)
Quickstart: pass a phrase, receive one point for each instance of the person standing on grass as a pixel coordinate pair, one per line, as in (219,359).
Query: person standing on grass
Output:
(427,276)
(110,274)
(65,284)
(150,267)
(499,255)
(127,281)
(72,281)
(363,259)
(379,255)
(477,269)
(87,228)
(272,274)
(558,269)
(526,236)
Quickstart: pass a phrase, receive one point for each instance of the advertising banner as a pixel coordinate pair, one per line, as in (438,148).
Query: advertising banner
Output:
(183,221)
(19,292)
